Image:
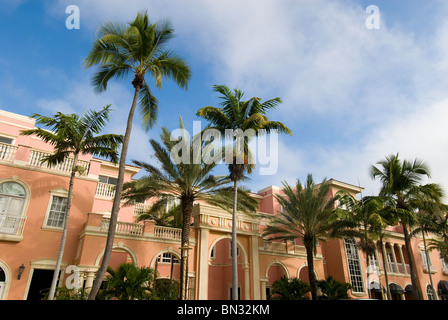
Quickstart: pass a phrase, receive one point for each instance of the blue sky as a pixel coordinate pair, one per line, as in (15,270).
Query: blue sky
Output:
(350,95)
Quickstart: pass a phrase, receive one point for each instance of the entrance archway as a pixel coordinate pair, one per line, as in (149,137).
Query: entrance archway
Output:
(220,270)
(275,271)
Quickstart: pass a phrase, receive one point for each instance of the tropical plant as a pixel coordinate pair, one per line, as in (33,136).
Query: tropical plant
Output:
(189,181)
(401,182)
(427,211)
(233,119)
(128,282)
(71,136)
(289,289)
(372,217)
(333,289)
(166,289)
(308,214)
(138,50)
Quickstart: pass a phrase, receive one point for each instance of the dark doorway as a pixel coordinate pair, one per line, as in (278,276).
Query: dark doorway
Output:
(40,284)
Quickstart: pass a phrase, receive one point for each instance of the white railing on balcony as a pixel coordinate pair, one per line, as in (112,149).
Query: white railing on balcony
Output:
(7,151)
(105,190)
(66,166)
(299,249)
(12,225)
(274,246)
(129,228)
(140,208)
(168,233)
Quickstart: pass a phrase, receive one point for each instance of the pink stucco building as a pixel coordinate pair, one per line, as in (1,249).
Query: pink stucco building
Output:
(32,200)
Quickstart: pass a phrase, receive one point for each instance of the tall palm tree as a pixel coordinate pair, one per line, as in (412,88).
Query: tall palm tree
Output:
(401,182)
(309,215)
(189,182)
(371,217)
(236,115)
(71,136)
(138,50)
(427,207)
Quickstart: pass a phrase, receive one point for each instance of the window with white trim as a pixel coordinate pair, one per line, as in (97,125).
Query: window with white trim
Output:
(425,261)
(354,266)
(429,292)
(56,215)
(12,201)
(166,258)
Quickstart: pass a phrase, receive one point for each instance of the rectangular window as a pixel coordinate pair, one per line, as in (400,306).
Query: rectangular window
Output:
(57,212)
(166,258)
(109,180)
(354,266)
(5,140)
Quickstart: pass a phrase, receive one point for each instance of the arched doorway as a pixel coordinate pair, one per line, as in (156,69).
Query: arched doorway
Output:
(220,271)
(274,272)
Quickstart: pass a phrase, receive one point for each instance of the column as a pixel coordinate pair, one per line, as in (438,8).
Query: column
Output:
(256,267)
(394,257)
(263,282)
(246,282)
(405,271)
(203,265)
(385,257)
(89,281)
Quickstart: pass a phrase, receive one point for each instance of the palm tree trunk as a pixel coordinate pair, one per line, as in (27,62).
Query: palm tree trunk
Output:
(417,293)
(309,246)
(234,246)
(187,207)
(116,204)
(385,270)
(64,230)
(428,262)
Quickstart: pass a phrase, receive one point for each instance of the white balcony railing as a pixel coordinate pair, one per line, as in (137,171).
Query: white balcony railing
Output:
(129,228)
(140,208)
(66,166)
(11,225)
(168,233)
(105,190)
(274,246)
(7,151)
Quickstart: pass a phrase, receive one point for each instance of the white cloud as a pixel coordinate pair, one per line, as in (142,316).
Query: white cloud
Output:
(375,92)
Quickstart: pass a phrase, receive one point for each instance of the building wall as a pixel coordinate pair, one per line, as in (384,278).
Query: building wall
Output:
(260,262)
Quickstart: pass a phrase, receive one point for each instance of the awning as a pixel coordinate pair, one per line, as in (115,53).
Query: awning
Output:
(374,287)
(395,288)
(409,288)
(443,287)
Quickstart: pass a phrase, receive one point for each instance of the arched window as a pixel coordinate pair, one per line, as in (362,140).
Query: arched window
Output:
(429,292)
(12,200)
(2,281)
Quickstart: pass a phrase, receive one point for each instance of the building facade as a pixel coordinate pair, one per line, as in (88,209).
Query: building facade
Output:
(33,201)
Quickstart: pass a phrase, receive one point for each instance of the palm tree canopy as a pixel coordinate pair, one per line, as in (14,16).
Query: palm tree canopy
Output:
(70,134)
(308,214)
(236,114)
(190,181)
(138,49)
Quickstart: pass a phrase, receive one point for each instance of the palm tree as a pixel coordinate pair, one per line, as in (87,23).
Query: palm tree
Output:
(333,290)
(128,282)
(137,49)
(188,182)
(232,117)
(371,217)
(308,215)
(427,207)
(289,289)
(71,136)
(401,181)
